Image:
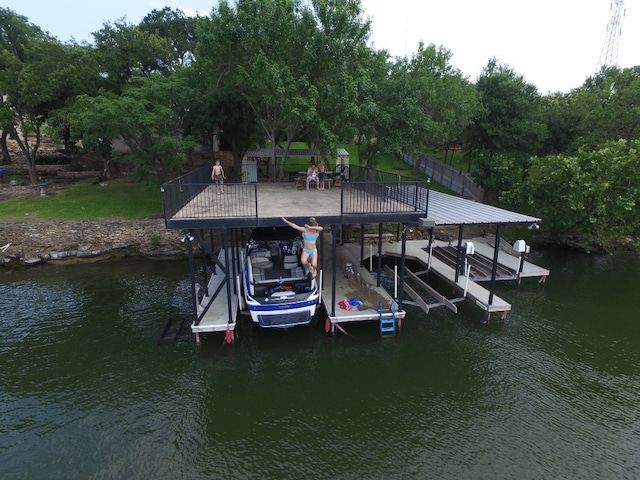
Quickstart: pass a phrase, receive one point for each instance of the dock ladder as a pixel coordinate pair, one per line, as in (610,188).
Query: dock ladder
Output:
(387,325)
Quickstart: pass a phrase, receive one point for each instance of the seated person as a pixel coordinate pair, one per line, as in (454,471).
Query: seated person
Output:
(312,175)
(321,176)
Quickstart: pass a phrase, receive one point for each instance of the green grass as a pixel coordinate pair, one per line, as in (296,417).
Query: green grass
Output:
(85,201)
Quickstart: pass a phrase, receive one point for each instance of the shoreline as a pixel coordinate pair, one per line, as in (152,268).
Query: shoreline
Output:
(31,243)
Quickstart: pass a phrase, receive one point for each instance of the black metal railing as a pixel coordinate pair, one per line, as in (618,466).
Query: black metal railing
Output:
(194,196)
(384,196)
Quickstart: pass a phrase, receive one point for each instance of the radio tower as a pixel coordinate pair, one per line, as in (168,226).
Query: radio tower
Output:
(609,54)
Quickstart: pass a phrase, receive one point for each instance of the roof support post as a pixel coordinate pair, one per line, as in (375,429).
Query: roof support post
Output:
(362,244)
(379,273)
(459,253)
(334,276)
(192,274)
(496,250)
(229,259)
(402,267)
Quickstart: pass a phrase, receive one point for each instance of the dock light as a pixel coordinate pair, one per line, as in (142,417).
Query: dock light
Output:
(534,226)
(426,223)
(469,248)
(520,246)
(187,236)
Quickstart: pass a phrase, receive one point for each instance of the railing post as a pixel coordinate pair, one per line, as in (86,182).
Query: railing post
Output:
(426,209)
(255,195)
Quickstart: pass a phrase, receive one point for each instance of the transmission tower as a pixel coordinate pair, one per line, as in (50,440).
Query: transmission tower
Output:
(609,54)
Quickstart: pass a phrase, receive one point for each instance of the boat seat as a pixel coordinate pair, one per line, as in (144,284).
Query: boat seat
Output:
(290,261)
(261,262)
(261,253)
(297,272)
(274,249)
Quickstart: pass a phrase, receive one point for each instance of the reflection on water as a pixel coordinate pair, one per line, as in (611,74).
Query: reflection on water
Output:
(86,392)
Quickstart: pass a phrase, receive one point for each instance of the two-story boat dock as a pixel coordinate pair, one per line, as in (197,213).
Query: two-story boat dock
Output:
(217,223)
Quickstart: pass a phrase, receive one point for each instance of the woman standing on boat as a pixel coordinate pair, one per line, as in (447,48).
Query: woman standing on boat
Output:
(310,233)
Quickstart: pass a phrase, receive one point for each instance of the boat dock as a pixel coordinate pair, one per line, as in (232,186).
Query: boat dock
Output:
(191,205)
(418,250)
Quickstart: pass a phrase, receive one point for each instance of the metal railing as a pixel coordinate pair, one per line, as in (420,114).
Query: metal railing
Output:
(374,197)
(448,176)
(194,196)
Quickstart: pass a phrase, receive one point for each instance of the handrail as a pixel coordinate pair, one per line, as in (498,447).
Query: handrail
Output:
(369,191)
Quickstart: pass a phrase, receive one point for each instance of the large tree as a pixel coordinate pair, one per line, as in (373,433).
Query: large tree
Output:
(37,85)
(148,116)
(508,124)
(591,197)
(125,50)
(174,26)
(260,48)
(15,33)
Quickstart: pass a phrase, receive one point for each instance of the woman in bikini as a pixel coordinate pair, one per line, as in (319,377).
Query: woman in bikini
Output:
(310,233)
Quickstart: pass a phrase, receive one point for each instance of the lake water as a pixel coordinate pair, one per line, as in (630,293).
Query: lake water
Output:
(86,392)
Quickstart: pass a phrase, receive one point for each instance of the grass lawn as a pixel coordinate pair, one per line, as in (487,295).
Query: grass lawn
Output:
(85,201)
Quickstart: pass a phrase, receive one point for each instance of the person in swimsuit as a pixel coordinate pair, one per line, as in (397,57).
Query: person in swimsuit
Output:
(312,176)
(217,175)
(310,233)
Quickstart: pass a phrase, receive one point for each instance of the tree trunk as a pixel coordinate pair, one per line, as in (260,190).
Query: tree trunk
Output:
(6,157)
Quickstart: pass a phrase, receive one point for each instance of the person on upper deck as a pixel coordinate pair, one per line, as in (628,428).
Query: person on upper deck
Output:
(217,175)
(310,233)
(321,176)
(312,176)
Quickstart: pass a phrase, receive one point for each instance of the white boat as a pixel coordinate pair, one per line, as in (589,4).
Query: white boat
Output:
(279,292)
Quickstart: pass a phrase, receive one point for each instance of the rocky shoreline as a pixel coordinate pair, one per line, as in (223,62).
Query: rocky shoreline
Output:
(36,242)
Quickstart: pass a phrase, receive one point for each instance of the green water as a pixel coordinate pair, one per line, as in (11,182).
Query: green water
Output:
(86,392)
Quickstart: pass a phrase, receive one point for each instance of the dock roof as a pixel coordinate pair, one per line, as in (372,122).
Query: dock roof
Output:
(447,209)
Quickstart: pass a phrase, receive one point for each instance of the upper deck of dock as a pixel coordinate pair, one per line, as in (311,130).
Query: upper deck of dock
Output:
(191,201)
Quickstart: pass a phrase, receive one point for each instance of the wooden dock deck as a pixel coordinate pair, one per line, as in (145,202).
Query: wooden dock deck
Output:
(418,250)
(216,318)
(361,285)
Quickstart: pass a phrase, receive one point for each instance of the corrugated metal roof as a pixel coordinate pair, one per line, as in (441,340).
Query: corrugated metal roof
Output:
(293,152)
(447,209)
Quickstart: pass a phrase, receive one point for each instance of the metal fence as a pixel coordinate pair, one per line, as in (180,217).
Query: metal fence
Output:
(374,197)
(448,176)
(194,196)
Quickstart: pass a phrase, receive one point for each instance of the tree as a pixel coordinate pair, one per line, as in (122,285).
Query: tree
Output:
(431,101)
(15,32)
(592,196)
(174,26)
(610,106)
(36,86)
(124,51)
(508,122)
(337,51)
(271,69)
(148,116)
